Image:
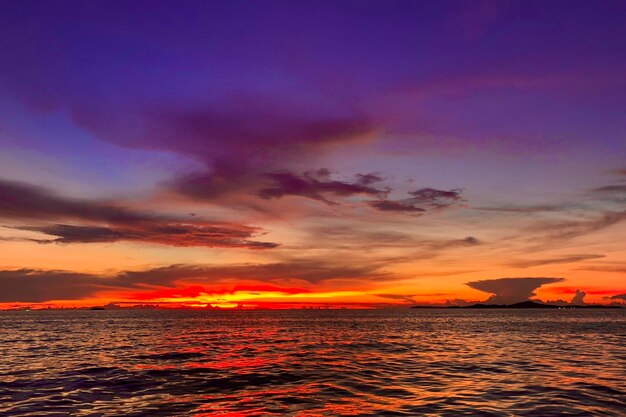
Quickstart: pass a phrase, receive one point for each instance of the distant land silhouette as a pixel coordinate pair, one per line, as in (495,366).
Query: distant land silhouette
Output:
(524,304)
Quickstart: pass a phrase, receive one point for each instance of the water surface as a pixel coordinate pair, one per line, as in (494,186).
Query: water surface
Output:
(313,363)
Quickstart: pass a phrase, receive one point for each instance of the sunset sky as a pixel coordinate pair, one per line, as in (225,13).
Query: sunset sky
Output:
(281,154)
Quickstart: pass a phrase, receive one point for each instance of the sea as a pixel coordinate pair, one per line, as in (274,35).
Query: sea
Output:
(395,362)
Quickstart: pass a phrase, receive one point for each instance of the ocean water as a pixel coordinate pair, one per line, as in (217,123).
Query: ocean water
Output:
(313,363)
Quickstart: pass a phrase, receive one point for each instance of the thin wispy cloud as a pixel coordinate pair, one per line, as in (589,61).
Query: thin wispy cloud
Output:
(101,221)
(529,263)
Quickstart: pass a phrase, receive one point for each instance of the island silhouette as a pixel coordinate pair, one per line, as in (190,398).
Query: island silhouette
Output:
(523,304)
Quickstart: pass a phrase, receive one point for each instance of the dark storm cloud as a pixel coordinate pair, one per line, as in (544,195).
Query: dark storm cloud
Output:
(107,222)
(562,260)
(511,290)
(423,200)
(31,285)
(318,185)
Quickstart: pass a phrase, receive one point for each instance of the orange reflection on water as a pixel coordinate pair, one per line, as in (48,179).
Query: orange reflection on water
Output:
(231,364)
(321,363)
(224,413)
(248,397)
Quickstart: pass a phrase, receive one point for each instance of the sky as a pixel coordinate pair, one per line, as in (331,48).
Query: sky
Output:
(270,154)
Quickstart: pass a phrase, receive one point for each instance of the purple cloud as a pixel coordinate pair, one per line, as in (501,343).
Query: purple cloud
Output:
(170,234)
(107,222)
(239,140)
(423,200)
(317,185)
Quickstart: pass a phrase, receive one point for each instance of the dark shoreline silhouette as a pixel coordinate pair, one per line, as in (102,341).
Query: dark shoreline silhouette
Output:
(524,304)
(521,305)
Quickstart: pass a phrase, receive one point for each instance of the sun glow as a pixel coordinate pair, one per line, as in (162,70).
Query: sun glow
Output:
(236,297)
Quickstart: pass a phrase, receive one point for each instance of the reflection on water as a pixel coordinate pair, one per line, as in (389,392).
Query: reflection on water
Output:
(313,363)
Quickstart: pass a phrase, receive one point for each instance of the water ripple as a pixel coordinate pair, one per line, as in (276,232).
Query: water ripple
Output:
(313,363)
